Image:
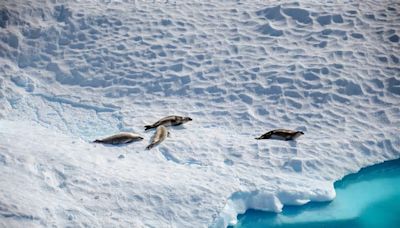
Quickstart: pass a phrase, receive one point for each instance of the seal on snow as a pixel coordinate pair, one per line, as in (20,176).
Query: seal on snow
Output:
(120,138)
(159,136)
(169,121)
(281,134)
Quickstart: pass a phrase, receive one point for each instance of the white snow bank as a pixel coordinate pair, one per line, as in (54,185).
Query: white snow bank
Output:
(75,71)
(239,202)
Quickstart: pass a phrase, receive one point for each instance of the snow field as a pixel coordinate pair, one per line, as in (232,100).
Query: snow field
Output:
(75,71)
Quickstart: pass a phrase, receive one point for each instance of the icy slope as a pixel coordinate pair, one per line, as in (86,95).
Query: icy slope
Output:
(74,71)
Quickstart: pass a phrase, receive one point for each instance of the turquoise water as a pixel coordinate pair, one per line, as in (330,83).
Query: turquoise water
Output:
(369,198)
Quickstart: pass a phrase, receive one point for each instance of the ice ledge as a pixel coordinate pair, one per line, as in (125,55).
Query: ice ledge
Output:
(239,202)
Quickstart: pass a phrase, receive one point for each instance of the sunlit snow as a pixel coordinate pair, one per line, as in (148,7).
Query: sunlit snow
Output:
(74,71)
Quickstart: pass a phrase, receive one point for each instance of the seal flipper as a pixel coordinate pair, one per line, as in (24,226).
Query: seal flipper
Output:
(265,136)
(147,127)
(150,146)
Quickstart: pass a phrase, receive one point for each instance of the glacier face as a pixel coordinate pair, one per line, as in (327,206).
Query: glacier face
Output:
(74,71)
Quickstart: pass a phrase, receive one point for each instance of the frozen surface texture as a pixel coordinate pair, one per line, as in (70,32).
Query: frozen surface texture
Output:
(72,71)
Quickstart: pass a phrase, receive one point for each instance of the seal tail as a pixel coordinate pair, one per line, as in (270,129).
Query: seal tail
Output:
(147,127)
(97,141)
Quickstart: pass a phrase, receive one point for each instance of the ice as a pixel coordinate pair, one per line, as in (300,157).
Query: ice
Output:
(72,72)
(368,198)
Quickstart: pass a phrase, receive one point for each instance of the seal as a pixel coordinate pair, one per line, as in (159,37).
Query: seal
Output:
(159,136)
(120,138)
(169,121)
(281,134)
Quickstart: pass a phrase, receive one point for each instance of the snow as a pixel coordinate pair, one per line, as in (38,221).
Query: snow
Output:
(73,71)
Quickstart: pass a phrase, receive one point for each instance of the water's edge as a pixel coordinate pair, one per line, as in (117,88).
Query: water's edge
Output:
(367,197)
